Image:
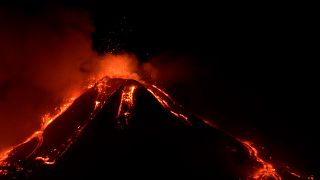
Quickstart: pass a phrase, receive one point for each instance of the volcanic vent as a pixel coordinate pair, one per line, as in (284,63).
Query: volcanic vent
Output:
(128,129)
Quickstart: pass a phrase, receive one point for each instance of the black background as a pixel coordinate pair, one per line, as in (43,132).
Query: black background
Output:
(259,64)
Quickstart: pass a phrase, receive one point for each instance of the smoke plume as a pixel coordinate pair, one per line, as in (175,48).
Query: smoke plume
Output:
(46,56)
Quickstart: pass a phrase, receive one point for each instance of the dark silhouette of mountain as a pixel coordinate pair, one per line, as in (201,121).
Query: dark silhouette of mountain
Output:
(127,129)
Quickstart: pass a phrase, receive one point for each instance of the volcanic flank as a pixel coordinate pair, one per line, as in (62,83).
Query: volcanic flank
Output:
(127,129)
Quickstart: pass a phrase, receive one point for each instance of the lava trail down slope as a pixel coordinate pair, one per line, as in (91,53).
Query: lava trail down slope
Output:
(123,128)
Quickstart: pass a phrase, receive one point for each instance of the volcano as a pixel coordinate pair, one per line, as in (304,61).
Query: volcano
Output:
(122,128)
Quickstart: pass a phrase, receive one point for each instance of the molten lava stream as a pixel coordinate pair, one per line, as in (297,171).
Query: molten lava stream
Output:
(267,170)
(163,98)
(264,169)
(126,104)
(47,119)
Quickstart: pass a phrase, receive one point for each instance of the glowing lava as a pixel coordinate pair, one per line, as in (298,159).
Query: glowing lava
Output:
(158,94)
(126,104)
(50,157)
(48,153)
(47,119)
(267,170)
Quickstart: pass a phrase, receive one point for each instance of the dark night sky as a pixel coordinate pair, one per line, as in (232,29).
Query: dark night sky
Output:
(258,63)
(258,73)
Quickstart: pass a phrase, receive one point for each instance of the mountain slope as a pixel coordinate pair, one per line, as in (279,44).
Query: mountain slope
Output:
(126,129)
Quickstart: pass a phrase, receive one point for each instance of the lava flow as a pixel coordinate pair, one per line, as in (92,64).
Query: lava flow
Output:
(164,101)
(47,119)
(120,122)
(267,170)
(126,104)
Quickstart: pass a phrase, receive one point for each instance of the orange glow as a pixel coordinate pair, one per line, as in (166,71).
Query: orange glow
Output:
(4,155)
(180,115)
(161,91)
(90,86)
(46,120)
(118,66)
(126,103)
(295,174)
(160,95)
(97,103)
(267,170)
(45,160)
(160,100)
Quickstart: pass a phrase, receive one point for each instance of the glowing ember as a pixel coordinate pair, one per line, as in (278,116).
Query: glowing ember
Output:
(45,160)
(90,86)
(97,103)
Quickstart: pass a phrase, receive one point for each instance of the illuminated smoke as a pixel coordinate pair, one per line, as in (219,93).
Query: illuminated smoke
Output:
(46,57)
(169,69)
(122,65)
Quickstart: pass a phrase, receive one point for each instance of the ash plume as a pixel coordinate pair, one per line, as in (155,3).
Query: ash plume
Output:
(46,56)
